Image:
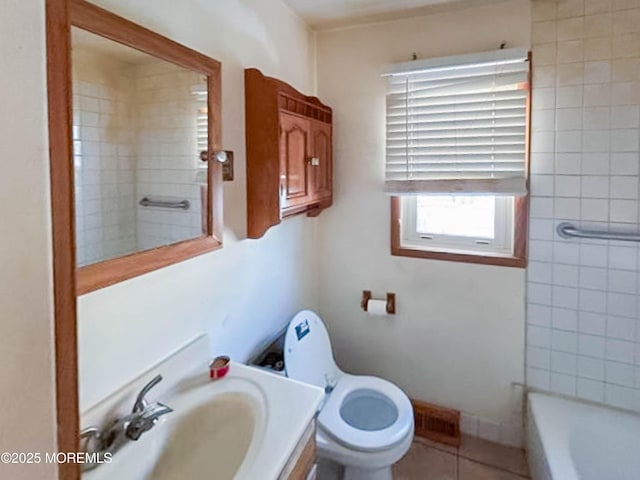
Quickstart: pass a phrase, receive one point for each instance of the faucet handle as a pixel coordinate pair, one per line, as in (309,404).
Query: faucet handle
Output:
(145,420)
(141,403)
(155,411)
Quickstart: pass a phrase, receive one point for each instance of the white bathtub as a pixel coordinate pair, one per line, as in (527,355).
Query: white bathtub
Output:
(568,440)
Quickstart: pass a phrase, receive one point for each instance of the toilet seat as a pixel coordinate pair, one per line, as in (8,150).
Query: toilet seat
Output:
(379,437)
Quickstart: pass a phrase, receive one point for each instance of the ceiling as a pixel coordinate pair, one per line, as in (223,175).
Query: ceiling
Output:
(339,13)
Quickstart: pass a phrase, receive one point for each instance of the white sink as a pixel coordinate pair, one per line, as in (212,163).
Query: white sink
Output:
(212,440)
(244,426)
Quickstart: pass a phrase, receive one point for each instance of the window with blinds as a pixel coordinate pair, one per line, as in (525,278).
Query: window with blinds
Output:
(458,125)
(202,117)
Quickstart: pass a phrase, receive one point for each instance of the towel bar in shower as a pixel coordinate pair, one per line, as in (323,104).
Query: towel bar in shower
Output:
(147,202)
(568,230)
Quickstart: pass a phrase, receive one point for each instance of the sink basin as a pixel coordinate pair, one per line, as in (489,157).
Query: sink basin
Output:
(214,428)
(210,441)
(244,427)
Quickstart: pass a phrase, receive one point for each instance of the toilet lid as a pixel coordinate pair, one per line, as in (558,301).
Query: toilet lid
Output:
(307,351)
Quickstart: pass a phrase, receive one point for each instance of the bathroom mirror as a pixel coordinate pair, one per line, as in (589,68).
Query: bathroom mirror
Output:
(145,131)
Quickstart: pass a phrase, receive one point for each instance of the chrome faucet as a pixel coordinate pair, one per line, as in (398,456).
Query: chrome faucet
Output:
(142,418)
(144,415)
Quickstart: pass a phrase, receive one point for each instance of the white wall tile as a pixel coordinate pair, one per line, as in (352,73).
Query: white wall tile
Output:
(591,346)
(539,357)
(593,301)
(592,323)
(623,281)
(570,74)
(569,51)
(540,250)
(621,328)
(563,341)
(597,6)
(469,424)
(544,32)
(624,164)
(598,48)
(569,119)
(595,186)
(563,384)
(539,378)
(583,296)
(488,430)
(538,336)
(595,164)
(590,390)
(593,278)
(569,8)
(567,185)
(619,396)
(590,367)
(620,351)
(624,187)
(562,362)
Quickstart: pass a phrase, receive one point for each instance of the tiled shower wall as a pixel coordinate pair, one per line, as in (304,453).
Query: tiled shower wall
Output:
(583,335)
(135,135)
(103,135)
(168,164)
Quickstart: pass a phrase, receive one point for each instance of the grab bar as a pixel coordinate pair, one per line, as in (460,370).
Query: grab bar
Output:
(147,202)
(568,230)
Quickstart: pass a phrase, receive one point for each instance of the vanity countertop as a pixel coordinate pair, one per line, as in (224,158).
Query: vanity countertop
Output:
(293,405)
(244,426)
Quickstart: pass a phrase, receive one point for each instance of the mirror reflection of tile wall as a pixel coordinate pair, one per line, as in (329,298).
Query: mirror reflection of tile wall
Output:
(138,127)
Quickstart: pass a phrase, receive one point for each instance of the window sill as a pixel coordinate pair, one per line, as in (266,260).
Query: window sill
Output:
(460,257)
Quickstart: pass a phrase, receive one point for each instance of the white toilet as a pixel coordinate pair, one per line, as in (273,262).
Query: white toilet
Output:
(365,423)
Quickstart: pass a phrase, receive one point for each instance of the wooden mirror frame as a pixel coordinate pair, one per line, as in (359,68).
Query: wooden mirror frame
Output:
(101,22)
(69,281)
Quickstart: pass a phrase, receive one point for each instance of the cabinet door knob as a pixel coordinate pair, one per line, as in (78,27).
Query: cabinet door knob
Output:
(314,161)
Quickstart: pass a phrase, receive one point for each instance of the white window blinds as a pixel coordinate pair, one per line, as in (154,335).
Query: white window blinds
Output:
(458,125)
(202,131)
(200,95)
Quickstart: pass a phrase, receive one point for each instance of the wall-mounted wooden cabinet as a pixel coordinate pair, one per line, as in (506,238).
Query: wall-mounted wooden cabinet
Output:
(289,153)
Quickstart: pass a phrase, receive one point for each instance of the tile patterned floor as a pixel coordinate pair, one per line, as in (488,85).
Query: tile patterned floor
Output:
(475,459)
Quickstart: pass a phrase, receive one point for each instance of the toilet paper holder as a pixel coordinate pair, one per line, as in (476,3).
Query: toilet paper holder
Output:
(391,301)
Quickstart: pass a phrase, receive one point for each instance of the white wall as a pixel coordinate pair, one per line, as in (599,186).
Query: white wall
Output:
(583,336)
(249,289)
(458,337)
(27,412)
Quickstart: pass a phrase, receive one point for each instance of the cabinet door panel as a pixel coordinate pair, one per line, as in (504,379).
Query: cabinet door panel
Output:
(294,152)
(321,169)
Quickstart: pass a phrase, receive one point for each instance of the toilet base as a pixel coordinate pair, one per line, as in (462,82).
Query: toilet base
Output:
(358,465)
(356,473)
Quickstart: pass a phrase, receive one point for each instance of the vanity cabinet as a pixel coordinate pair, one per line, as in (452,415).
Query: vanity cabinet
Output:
(302,463)
(289,153)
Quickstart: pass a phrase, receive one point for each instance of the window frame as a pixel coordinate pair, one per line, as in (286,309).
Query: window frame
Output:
(517,259)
